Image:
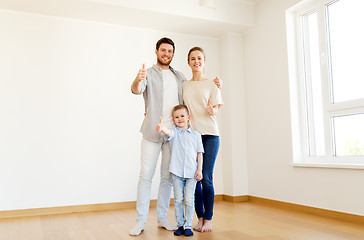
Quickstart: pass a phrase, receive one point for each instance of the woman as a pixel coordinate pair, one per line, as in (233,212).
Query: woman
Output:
(203,99)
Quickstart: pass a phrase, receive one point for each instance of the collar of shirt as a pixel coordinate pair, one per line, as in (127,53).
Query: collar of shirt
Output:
(159,69)
(181,130)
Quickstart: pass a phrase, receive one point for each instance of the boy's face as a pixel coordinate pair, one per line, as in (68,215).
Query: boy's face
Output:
(164,54)
(181,118)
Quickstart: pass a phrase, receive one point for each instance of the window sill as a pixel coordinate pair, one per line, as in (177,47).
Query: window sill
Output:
(328,165)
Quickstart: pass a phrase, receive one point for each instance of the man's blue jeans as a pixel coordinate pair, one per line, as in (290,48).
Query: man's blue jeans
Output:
(205,193)
(184,191)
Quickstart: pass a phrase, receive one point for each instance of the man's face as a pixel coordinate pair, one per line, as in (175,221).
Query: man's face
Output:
(164,54)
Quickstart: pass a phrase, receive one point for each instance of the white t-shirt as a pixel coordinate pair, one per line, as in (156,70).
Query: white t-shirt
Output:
(196,95)
(170,97)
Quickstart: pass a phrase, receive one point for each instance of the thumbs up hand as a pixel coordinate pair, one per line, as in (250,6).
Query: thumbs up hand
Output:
(142,74)
(135,86)
(210,109)
(159,127)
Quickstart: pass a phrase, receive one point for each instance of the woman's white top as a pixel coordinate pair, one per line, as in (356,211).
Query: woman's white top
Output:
(196,95)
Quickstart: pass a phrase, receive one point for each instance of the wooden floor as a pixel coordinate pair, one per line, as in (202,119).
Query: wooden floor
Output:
(243,221)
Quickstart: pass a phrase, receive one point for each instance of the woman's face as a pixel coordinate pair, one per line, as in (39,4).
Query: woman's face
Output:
(196,61)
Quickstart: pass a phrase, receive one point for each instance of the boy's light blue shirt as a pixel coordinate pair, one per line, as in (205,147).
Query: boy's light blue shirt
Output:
(185,144)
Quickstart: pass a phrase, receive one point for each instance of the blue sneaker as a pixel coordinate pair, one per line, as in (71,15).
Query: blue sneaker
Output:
(179,231)
(188,233)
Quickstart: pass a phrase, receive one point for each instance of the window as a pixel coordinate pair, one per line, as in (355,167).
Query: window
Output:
(326,56)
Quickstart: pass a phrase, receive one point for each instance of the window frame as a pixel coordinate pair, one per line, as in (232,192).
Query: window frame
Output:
(297,72)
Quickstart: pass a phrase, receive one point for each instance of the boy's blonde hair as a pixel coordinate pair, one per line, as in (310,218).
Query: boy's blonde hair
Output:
(181,106)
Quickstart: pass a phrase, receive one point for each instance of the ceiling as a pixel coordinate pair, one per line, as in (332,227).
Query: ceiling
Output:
(185,16)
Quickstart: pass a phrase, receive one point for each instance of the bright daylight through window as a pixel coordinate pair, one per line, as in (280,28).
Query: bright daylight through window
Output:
(326,51)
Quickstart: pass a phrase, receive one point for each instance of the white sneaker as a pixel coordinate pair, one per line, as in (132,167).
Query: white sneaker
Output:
(167,225)
(137,229)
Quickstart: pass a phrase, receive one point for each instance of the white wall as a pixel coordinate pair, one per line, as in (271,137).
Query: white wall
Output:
(69,125)
(233,134)
(186,16)
(269,127)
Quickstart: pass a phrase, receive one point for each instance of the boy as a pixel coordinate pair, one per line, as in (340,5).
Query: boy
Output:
(185,166)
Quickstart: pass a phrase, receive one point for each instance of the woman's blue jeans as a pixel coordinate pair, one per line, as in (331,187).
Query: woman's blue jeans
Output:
(205,193)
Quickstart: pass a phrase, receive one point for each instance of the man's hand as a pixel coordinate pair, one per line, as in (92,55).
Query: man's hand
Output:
(218,82)
(142,74)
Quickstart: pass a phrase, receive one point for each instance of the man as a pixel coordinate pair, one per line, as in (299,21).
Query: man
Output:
(161,87)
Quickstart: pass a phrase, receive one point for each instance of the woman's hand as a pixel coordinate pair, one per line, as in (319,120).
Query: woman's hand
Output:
(210,109)
(218,82)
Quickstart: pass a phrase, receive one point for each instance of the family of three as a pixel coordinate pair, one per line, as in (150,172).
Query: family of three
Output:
(180,122)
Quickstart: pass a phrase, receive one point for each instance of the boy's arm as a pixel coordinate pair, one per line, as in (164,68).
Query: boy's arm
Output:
(198,174)
(161,128)
(135,86)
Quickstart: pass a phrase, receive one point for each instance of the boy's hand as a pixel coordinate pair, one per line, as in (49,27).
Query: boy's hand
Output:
(142,74)
(198,175)
(159,127)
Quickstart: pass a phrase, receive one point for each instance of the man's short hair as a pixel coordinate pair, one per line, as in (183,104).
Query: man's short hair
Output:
(164,40)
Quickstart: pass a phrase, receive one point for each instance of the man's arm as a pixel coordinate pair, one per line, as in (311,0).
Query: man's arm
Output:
(135,86)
